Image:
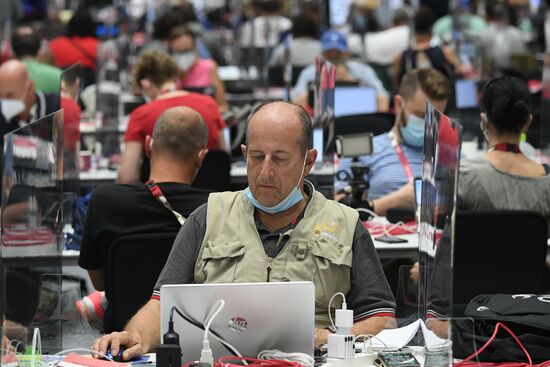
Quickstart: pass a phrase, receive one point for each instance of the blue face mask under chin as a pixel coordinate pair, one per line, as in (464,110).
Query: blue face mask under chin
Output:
(293,198)
(413,133)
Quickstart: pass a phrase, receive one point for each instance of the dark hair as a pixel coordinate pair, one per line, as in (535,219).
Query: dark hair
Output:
(432,82)
(506,101)
(25,42)
(163,25)
(305,26)
(156,66)
(268,6)
(180,132)
(81,24)
(495,10)
(306,140)
(423,21)
(400,16)
(180,31)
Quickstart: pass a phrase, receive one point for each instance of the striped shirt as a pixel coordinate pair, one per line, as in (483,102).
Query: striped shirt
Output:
(386,173)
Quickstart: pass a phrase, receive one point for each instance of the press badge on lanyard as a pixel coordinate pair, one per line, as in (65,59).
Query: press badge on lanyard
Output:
(157,193)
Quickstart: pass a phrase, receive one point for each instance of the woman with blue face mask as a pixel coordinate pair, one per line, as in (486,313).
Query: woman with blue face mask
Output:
(195,73)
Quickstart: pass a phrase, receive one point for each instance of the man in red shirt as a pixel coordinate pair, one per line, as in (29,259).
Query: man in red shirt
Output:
(156,75)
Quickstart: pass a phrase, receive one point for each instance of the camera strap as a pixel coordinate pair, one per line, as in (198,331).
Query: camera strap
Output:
(155,190)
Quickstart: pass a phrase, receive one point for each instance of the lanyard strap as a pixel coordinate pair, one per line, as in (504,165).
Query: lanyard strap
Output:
(505,147)
(155,190)
(403,159)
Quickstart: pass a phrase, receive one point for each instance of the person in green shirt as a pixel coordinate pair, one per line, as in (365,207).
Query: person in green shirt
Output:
(25,43)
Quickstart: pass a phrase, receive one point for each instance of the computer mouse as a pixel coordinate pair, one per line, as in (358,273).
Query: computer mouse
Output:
(116,358)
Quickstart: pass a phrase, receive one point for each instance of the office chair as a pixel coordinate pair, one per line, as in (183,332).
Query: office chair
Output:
(498,252)
(214,173)
(133,266)
(376,123)
(275,75)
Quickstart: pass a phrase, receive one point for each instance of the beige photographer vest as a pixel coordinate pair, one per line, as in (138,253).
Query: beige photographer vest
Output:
(319,248)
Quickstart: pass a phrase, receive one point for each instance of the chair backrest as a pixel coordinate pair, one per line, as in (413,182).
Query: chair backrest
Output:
(498,252)
(376,123)
(275,75)
(134,264)
(215,172)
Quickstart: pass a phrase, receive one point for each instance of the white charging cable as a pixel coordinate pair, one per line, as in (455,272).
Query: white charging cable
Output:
(344,317)
(206,352)
(304,359)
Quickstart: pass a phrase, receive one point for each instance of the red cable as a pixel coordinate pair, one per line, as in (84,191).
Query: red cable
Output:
(499,324)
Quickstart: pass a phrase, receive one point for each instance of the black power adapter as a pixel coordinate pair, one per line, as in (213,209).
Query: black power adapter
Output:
(169,352)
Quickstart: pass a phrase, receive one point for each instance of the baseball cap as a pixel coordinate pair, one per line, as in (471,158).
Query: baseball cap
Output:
(332,40)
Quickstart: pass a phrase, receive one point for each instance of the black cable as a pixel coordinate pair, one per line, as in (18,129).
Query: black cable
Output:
(200,326)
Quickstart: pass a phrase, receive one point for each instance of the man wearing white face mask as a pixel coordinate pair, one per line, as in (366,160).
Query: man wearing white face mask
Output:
(19,102)
(397,155)
(194,71)
(279,229)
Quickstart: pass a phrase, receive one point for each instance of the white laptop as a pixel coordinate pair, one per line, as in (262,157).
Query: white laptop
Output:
(256,316)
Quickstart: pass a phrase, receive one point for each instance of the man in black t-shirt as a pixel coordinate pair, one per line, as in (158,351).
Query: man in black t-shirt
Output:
(176,150)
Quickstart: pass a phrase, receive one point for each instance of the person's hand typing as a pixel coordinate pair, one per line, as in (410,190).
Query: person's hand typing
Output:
(114,341)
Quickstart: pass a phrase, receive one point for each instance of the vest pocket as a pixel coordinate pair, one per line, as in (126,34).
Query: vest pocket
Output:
(220,262)
(332,261)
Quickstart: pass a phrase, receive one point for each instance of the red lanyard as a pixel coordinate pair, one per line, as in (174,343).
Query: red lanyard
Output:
(505,147)
(157,193)
(403,159)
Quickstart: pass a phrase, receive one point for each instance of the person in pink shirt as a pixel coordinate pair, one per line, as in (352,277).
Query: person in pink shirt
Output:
(194,71)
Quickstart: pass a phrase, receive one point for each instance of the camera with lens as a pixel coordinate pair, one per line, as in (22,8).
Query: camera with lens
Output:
(354,146)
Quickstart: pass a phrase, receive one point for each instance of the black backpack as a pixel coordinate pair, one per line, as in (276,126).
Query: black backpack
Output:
(527,315)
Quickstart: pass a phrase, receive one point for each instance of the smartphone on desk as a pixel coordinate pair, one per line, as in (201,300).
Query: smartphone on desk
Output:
(396,359)
(391,239)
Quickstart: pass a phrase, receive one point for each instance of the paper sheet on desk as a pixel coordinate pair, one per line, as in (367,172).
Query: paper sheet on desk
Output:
(394,339)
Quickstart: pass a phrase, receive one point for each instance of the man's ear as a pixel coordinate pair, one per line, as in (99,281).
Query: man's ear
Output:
(397,103)
(148,146)
(311,157)
(243,150)
(483,118)
(201,156)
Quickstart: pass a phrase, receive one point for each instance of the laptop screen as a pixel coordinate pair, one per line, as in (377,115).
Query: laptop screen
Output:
(354,101)
(466,94)
(318,143)
(253,318)
(417,192)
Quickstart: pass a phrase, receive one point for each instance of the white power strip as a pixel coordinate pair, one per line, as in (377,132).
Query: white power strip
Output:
(359,360)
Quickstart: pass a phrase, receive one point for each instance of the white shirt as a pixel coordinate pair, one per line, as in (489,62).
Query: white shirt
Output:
(381,46)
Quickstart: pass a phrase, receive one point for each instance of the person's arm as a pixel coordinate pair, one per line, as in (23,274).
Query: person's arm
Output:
(218,87)
(453,59)
(382,102)
(141,335)
(98,279)
(129,170)
(401,198)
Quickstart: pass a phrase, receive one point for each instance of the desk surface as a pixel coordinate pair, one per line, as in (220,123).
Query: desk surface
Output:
(398,250)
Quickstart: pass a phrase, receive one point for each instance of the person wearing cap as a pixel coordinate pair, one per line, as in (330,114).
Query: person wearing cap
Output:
(334,48)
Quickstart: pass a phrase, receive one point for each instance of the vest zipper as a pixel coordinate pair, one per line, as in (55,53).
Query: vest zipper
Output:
(269,261)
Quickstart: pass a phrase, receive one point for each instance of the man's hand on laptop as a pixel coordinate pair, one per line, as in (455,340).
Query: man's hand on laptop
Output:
(114,341)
